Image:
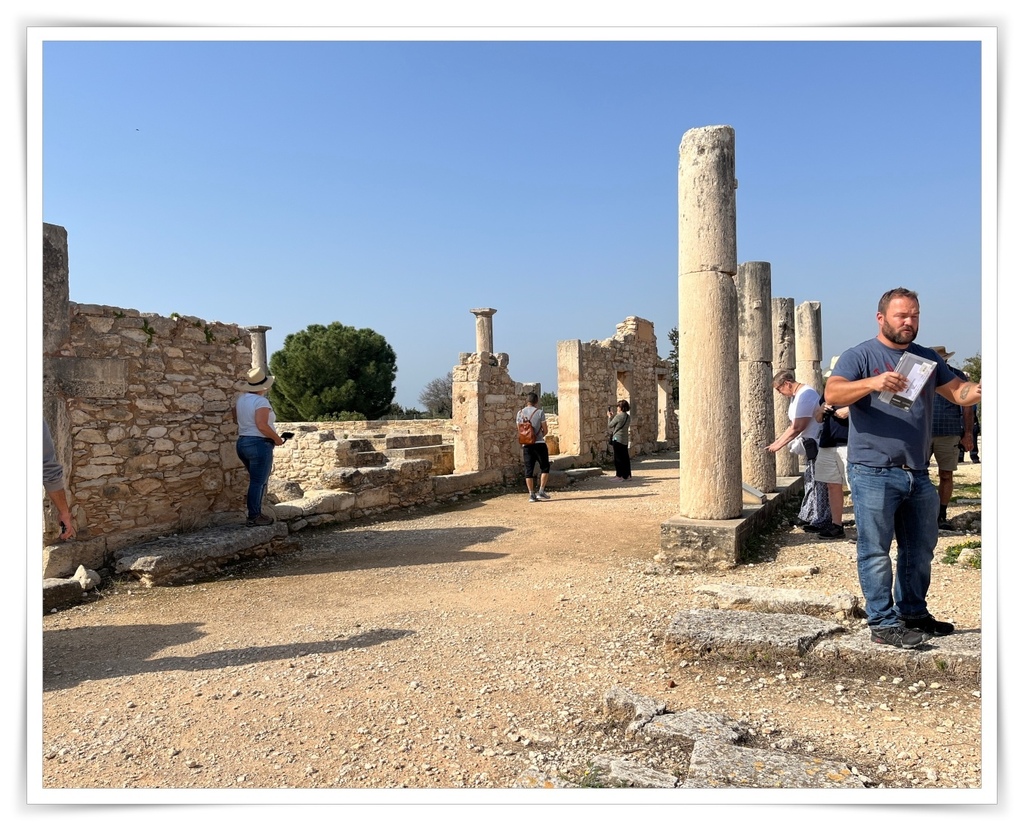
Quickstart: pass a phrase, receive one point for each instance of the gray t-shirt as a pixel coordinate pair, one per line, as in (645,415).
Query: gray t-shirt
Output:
(882,435)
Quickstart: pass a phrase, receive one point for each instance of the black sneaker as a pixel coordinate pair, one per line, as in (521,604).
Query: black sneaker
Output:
(814,529)
(946,525)
(898,636)
(928,625)
(832,532)
(262,519)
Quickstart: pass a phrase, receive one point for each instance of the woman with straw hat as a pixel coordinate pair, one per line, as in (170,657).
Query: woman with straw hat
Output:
(256,439)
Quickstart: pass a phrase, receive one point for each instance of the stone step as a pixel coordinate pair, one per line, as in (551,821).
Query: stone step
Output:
(709,634)
(183,558)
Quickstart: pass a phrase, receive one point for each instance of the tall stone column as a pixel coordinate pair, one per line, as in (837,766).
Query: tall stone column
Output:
(484,329)
(808,344)
(56,350)
(757,411)
(710,471)
(784,357)
(258,336)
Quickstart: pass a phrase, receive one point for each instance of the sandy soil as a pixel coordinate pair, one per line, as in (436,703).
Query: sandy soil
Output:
(456,649)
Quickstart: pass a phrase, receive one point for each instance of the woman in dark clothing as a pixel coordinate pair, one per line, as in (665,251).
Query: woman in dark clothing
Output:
(618,426)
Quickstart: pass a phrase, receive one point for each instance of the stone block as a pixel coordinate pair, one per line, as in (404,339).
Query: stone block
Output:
(717,765)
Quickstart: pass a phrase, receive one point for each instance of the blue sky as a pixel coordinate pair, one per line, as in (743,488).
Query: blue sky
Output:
(397,185)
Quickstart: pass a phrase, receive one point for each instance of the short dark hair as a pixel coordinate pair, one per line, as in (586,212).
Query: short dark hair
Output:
(782,376)
(883,301)
(532,399)
(624,405)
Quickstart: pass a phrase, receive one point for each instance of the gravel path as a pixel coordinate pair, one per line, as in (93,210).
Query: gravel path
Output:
(456,649)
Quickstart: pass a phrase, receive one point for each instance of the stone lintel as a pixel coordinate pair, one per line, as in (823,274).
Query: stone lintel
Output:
(88,377)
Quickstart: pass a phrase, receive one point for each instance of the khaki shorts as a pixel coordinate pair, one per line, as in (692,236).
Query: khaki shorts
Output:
(830,466)
(946,452)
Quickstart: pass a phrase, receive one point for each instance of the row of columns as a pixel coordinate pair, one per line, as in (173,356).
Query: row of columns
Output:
(733,337)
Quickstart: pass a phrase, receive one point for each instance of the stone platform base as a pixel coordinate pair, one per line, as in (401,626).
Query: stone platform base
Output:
(716,544)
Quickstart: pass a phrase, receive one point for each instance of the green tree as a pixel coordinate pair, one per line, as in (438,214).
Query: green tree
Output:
(549,403)
(325,370)
(972,366)
(436,396)
(673,359)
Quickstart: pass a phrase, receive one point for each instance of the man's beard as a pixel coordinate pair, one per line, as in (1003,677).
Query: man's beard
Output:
(899,336)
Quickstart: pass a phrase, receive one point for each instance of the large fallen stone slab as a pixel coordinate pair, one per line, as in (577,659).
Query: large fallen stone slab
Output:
(717,765)
(956,656)
(840,606)
(616,772)
(182,558)
(695,724)
(698,633)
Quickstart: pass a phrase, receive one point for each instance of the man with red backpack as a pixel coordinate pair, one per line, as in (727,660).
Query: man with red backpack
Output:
(532,426)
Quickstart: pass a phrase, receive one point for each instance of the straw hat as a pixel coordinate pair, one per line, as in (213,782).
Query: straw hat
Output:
(942,352)
(256,380)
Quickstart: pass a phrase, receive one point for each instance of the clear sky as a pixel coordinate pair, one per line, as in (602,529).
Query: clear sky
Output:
(396,185)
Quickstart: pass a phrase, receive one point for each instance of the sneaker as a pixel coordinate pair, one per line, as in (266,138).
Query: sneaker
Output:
(928,625)
(899,636)
(533,497)
(543,495)
(975,460)
(814,529)
(946,525)
(617,479)
(832,532)
(262,519)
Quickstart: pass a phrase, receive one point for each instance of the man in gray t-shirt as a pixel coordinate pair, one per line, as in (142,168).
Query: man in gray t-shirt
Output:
(888,451)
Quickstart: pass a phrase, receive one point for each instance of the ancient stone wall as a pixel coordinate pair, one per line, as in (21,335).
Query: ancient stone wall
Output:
(593,376)
(485,401)
(152,436)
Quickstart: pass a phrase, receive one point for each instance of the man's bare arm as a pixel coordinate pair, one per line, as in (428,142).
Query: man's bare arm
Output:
(841,392)
(961,392)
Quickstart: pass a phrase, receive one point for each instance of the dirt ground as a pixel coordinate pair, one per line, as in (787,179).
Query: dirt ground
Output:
(458,648)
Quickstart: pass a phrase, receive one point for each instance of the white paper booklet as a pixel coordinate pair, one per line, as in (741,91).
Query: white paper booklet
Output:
(917,371)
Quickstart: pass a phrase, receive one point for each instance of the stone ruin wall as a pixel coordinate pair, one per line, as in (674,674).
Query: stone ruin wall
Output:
(160,456)
(485,401)
(321,447)
(593,376)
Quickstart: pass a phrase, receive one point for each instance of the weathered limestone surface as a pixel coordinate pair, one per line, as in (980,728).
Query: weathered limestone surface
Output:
(842,606)
(757,412)
(710,463)
(595,375)
(717,765)
(784,357)
(173,560)
(485,401)
(808,344)
(707,201)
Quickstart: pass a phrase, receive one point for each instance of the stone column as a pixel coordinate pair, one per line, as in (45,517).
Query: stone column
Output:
(808,345)
(710,472)
(757,411)
(484,329)
(57,352)
(258,335)
(784,357)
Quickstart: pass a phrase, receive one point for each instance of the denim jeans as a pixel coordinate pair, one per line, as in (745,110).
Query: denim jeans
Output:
(257,454)
(890,502)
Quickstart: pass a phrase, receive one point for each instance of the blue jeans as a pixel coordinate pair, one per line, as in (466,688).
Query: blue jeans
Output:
(257,454)
(888,502)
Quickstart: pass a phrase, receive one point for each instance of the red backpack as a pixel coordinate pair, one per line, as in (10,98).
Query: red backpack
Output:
(527,432)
